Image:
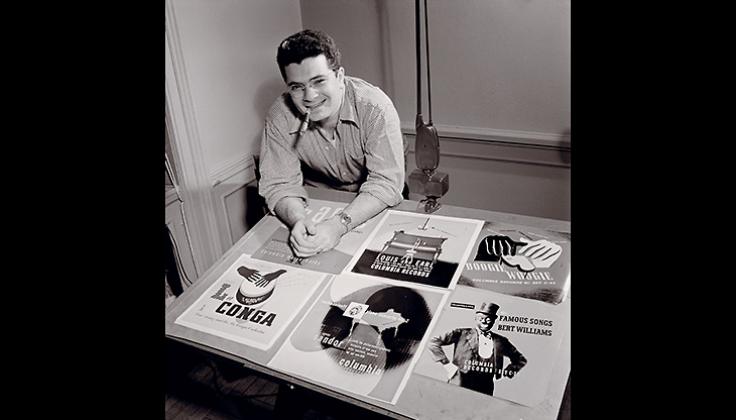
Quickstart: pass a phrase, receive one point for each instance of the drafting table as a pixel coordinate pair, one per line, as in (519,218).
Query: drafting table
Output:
(422,397)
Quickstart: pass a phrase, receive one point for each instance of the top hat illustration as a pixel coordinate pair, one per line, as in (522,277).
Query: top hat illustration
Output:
(488,308)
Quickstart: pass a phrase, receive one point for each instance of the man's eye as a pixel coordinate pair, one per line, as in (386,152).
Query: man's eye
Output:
(320,82)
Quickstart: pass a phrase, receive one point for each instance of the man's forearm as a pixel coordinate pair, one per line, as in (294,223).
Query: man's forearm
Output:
(363,207)
(327,234)
(290,210)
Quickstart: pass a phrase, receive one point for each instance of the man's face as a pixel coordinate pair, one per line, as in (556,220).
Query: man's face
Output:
(314,86)
(484,321)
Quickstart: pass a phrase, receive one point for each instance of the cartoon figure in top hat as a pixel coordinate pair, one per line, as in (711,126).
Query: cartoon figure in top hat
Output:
(479,353)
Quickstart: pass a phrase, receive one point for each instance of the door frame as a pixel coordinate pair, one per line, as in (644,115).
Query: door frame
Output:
(192,175)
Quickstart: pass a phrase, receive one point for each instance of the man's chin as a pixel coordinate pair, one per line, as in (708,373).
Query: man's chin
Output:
(320,113)
(318,116)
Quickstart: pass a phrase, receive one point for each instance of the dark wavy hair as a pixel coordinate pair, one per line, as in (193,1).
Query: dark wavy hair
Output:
(304,44)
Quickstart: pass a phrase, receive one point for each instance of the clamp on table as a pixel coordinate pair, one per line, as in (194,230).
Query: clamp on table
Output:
(432,185)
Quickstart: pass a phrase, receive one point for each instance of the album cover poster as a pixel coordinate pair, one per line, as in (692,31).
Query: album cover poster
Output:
(271,241)
(495,345)
(252,302)
(361,335)
(419,248)
(521,261)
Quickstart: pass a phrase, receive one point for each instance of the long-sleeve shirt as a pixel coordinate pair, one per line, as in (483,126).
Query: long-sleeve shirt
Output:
(368,155)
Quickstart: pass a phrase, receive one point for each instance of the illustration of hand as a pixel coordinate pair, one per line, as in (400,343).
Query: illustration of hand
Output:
(250,274)
(542,253)
(268,278)
(451,371)
(493,247)
(256,278)
(519,261)
(511,370)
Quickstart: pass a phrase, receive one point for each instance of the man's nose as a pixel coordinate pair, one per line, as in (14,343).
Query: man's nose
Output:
(310,93)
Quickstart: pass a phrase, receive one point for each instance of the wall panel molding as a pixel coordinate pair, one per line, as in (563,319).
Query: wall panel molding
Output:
(515,137)
(513,176)
(227,179)
(513,147)
(240,166)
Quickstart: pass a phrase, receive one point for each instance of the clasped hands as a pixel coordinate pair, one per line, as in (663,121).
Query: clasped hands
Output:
(308,238)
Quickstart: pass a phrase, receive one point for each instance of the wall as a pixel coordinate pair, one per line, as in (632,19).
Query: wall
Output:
(511,178)
(500,90)
(229,50)
(501,64)
(501,102)
(355,25)
(223,59)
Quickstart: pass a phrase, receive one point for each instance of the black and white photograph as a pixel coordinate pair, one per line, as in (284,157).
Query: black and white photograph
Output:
(399,142)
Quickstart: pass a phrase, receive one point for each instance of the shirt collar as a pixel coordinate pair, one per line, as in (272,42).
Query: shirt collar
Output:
(481,333)
(347,110)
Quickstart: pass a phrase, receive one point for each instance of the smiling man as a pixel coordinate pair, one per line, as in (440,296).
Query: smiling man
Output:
(328,130)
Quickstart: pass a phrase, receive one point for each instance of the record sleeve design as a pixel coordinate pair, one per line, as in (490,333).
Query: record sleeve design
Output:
(419,248)
(272,239)
(252,302)
(521,261)
(361,335)
(494,344)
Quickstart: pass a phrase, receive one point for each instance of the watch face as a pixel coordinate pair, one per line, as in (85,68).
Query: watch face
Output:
(345,219)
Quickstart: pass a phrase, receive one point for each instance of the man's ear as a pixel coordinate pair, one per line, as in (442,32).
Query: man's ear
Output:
(341,74)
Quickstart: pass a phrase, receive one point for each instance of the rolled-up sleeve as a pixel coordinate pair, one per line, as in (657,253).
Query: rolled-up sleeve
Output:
(280,169)
(384,156)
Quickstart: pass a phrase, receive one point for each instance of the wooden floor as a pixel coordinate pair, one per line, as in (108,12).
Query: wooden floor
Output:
(202,386)
(205,394)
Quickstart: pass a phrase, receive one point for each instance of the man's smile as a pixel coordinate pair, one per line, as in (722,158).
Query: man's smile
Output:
(312,107)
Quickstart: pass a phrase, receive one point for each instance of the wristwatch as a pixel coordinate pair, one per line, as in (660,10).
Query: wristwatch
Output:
(345,220)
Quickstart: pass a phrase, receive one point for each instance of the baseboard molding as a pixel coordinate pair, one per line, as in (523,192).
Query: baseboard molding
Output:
(492,135)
